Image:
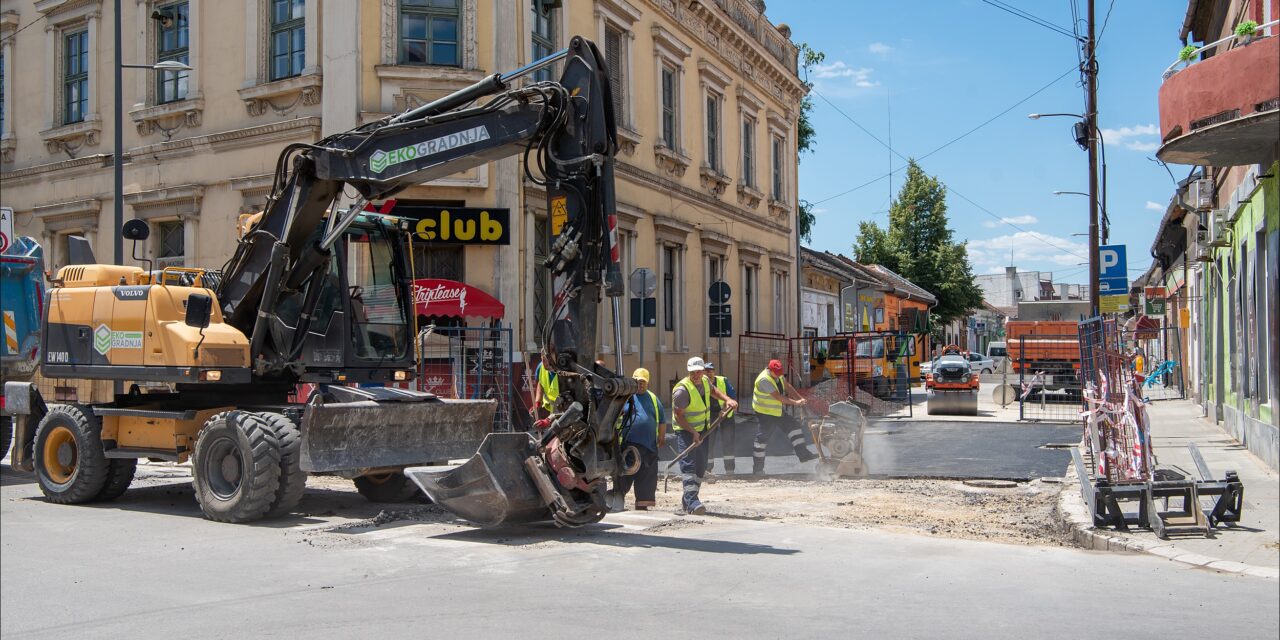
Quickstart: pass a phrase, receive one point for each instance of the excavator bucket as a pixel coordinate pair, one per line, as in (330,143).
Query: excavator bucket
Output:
(491,488)
(953,403)
(384,430)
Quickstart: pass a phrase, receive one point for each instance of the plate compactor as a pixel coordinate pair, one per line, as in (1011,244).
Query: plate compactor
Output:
(953,387)
(838,435)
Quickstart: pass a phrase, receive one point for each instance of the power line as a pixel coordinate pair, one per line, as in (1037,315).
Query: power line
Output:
(950,189)
(940,148)
(1105,20)
(1030,18)
(20,30)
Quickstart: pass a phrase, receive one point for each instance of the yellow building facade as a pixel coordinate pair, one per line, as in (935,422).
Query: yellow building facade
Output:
(706,94)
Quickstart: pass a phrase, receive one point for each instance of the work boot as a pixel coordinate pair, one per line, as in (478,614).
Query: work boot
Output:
(805,454)
(728,466)
(699,510)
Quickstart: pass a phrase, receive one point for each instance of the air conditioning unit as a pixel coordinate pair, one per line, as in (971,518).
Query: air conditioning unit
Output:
(1200,194)
(1201,251)
(1219,232)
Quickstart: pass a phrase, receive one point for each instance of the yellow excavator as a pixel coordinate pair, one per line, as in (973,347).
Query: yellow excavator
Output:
(314,294)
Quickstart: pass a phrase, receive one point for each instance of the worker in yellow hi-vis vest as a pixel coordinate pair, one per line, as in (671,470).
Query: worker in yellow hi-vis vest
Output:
(769,393)
(691,401)
(547,391)
(724,434)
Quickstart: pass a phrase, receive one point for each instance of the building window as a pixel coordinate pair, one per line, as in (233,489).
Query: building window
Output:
(173,44)
(780,302)
(669,262)
(288,37)
(749,297)
(615,57)
(172,244)
(445,262)
(713,131)
(541,278)
(544,37)
(75,76)
(748,152)
(429,32)
(777,153)
(670,107)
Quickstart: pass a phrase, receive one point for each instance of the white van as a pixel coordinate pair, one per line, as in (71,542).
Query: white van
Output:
(998,353)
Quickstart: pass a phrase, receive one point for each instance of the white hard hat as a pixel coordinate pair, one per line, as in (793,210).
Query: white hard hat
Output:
(696,364)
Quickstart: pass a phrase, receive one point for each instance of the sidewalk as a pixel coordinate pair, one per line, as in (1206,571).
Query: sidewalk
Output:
(1254,542)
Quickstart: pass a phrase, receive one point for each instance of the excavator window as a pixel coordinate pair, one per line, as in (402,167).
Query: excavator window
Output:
(378,323)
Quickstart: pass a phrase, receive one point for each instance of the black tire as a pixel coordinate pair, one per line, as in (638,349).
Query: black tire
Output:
(236,467)
(73,469)
(119,477)
(388,487)
(293,480)
(6,434)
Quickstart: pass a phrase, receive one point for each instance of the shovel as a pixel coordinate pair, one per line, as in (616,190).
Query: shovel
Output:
(706,435)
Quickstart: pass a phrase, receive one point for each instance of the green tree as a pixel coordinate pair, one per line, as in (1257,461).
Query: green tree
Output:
(918,245)
(806,135)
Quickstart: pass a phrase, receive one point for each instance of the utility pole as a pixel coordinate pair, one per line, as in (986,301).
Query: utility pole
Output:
(117,166)
(1091,123)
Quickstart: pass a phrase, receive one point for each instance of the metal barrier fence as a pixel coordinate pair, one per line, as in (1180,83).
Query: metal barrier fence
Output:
(1049,384)
(471,363)
(871,369)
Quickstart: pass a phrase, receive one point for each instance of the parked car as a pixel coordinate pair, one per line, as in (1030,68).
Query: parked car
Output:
(981,363)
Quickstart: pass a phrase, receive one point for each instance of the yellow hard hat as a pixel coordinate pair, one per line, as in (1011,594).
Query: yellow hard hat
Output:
(640,373)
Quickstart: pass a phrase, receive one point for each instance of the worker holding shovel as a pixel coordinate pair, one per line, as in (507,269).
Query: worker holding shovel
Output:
(691,401)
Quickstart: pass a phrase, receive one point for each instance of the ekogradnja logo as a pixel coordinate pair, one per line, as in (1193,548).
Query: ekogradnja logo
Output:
(104,339)
(380,160)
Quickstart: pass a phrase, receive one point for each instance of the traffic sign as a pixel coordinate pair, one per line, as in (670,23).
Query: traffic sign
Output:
(719,292)
(644,282)
(644,312)
(1112,262)
(719,325)
(1113,287)
(6,228)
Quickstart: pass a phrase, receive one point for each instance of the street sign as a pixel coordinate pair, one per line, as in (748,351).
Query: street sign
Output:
(1155,306)
(644,282)
(1113,287)
(1113,304)
(719,325)
(644,312)
(719,292)
(1111,262)
(6,228)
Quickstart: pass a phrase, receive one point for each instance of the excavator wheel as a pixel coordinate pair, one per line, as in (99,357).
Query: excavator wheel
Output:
(119,476)
(293,480)
(236,467)
(70,465)
(392,486)
(6,434)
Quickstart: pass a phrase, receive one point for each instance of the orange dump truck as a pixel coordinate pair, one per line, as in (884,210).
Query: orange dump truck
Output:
(1047,347)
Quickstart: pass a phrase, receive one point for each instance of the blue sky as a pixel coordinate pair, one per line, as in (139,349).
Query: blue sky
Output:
(939,68)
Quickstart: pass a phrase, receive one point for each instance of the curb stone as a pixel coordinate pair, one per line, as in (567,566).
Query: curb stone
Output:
(1077,521)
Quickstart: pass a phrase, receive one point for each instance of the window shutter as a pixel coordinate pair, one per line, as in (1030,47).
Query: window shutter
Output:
(613,55)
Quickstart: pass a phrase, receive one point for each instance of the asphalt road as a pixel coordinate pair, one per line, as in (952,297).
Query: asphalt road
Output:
(150,566)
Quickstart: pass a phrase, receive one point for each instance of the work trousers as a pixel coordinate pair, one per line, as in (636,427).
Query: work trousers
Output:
(645,480)
(722,440)
(767,426)
(693,468)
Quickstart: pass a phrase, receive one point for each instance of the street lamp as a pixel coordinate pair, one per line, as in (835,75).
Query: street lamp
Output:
(118,153)
(1086,134)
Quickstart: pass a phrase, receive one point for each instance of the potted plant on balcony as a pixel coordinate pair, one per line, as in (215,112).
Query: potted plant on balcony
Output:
(1246,31)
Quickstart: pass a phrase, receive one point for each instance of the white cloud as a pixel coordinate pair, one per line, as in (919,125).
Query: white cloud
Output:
(1027,219)
(1154,206)
(1026,247)
(837,71)
(1137,138)
(879,48)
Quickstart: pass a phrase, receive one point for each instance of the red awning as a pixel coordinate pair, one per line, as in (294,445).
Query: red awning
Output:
(436,297)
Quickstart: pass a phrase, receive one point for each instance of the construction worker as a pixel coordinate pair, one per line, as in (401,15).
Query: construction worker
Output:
(691,401)
(770,393)
(548,389)
(643,425)
(724,434)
